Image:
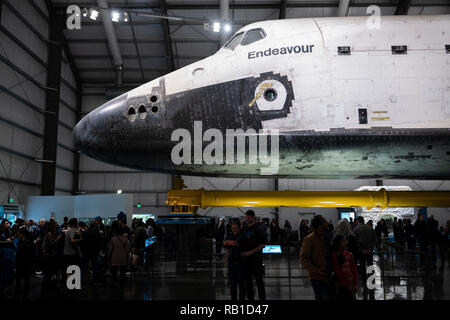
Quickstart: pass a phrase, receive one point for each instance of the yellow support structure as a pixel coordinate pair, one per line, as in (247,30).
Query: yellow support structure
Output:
(332,199)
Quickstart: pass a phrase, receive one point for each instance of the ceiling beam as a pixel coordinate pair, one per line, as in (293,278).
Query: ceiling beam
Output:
(82,70)
(135,45)
(275,5)
(141,41)
(283,7)
(132,57)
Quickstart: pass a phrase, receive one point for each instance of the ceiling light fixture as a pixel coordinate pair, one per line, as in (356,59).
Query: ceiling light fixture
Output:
(115,15)
(94,14)
(227,27)
(216,27)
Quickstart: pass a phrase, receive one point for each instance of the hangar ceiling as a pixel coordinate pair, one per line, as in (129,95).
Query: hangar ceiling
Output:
(142,40)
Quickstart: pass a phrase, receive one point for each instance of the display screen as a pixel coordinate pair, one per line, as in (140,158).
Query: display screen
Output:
(150,241)
(347,215)
(144,217)
(273,248)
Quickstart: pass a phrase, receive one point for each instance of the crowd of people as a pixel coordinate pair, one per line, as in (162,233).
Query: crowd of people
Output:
(331,258)
(46,247)
(426,236)
(335,258)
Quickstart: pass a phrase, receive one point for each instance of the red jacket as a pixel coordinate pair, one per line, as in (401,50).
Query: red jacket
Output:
(346,273)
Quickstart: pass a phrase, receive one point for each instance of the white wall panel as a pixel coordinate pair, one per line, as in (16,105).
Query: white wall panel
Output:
(92,182)
(89,164)
(66,72)
(20,57)
(125,182)
(63,179)
(26,143)
(65,137)
(13,24)
(154,181)
(16,111)
(19,168)
(92,102)
(64,158)
(6,134)
(66,115)
(41,4)
(32,16)
(67,94)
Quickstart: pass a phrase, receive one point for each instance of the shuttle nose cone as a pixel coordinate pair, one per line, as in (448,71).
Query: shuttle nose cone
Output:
(93,134)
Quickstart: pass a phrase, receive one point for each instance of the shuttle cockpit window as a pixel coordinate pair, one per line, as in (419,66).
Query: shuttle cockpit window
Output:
(234,42)
(253,36)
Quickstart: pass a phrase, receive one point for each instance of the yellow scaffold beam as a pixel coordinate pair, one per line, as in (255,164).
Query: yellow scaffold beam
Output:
(332,199)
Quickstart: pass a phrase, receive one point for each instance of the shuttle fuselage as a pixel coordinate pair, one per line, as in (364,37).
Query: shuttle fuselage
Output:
(344,101)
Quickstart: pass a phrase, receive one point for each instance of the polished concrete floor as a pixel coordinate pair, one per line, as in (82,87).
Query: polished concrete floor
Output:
(403,279)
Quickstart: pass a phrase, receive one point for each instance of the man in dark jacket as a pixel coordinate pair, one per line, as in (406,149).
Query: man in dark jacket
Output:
(92,244)
(423,236)
(251,243)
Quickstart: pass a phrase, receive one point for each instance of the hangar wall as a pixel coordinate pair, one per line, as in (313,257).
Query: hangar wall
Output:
(23,65)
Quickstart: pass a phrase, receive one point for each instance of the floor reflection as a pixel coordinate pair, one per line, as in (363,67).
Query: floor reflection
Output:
(403,278)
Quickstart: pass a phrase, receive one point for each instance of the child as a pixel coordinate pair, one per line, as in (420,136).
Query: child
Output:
(345,269)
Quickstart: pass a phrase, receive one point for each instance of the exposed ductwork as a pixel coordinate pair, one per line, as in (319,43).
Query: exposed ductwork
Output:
(343,8)
(112,40)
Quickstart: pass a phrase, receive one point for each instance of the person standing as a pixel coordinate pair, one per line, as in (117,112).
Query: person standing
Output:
(315,256)
(139,245)
(345,269)
(331,228)
(447,240)
(24,263)
(228,227)
(118,253)
(304,230)
(65,223)
(287,232)
(367,240)
(422,236)
(252,242)
(410,235)
(395,229)
(274,232)
(72,252)
(93,246)
(345,229)
(7,259)
(49,251)
(235,263)
(220,235)
(400,233)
